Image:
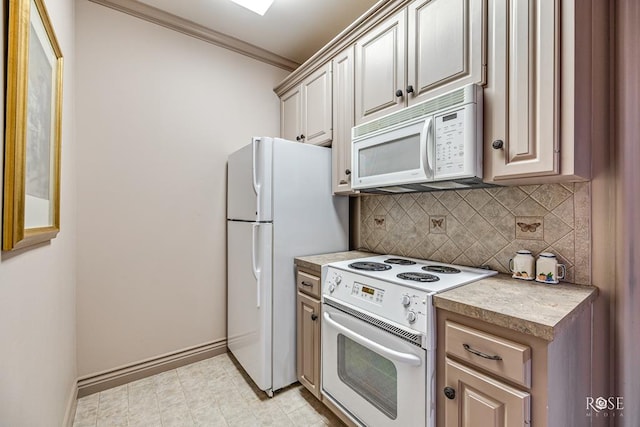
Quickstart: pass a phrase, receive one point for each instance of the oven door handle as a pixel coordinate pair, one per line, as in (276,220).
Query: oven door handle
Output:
(408,359)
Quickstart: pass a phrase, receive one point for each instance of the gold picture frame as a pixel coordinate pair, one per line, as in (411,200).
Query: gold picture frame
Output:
(31,208)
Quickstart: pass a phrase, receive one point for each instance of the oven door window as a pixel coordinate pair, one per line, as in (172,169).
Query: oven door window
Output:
(372,376)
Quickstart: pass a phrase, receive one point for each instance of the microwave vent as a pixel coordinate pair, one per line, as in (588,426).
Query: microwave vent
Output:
(445,101)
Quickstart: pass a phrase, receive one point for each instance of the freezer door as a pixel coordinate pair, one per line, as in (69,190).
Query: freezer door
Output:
(249,296)
(249,181)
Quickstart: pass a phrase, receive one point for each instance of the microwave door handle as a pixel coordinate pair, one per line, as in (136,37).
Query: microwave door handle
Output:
(427,144)
(408,359)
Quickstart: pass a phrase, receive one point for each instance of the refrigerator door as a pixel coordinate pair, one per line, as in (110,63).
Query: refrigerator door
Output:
(249,182)
(249,290)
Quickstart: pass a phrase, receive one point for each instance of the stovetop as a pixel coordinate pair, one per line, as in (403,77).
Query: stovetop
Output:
(395,289)
(414,273)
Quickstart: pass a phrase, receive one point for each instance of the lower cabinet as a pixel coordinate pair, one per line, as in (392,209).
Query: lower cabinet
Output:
(479,400)
(489,375)
(308,331)
(308,347)
(308,336)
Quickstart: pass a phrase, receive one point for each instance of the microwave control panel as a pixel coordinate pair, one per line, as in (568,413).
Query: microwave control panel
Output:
(450,143)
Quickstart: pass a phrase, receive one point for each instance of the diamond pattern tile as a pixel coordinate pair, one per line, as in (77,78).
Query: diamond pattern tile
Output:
(550,195)
(478,198)
(510,197)
(405,200)
(554,228)
(463,211)
(479,226)
(450,199)
(565,211)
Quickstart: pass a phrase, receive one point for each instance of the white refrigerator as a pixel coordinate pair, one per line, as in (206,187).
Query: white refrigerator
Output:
(279,205)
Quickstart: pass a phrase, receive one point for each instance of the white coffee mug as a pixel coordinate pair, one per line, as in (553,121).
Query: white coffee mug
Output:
(548,270)
(522,265)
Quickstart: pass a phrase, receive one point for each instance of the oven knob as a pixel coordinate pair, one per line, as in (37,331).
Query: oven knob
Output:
(332,288)
(338,280)
(406,301)
(411,316)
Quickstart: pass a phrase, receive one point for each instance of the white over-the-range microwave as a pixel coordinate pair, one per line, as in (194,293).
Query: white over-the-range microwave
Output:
(433,145)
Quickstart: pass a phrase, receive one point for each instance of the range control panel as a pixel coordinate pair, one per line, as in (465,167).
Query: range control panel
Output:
(406,306)
(367,293)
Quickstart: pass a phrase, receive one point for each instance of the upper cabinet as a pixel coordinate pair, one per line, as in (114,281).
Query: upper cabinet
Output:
(428,48)
(291,114)
(380,69)
(306,109)
(446,46)
(343,120)
(538,98)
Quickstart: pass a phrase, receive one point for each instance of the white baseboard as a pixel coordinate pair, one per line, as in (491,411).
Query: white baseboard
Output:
(95,383)
(72,402)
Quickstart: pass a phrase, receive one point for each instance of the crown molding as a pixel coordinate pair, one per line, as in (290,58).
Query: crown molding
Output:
(190,28)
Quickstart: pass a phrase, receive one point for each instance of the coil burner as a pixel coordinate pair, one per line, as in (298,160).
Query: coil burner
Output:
(441,269)
(418,277)
(369,266)
(399,261)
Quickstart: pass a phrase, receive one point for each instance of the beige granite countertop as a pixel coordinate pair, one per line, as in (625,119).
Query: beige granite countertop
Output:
(529,307)
(314,263)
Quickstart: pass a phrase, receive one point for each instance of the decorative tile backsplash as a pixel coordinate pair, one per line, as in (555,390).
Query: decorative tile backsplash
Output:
(484,226)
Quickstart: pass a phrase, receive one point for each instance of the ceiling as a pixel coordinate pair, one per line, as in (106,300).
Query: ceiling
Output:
(293,29)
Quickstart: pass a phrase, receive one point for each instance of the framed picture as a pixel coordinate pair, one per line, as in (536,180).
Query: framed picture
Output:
(31,211)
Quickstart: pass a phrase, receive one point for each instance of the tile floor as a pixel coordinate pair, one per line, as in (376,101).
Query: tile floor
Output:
(214,392)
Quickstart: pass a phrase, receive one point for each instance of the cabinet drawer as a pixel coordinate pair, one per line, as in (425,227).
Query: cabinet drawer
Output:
(308,284)
(500,356)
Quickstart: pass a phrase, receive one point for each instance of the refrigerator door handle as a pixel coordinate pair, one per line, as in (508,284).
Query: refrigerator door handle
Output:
(254,267)
(256,184)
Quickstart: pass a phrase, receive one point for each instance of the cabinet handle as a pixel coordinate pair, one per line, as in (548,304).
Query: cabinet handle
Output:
(399,93)
(498,144)
(298,138)
(450,393)
(347,172)
(409,89)
(314,317)
(306,283)
(481,354)
(302,136)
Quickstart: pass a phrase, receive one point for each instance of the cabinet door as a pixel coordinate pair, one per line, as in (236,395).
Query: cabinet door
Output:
(522,93)
(316,107)
(481,401)
(445,47)
(290,110)
(343,121)
(308,343)
(380,69)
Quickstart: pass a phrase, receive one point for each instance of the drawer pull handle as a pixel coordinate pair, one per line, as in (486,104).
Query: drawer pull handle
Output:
(306,284)
(481,354)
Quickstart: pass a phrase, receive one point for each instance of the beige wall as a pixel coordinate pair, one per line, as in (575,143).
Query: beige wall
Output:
(37,285)
(158,114)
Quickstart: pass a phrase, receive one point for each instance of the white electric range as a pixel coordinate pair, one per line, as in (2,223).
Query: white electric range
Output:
(378,336)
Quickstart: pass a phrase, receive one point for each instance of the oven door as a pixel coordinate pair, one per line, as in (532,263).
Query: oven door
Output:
(376,376)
